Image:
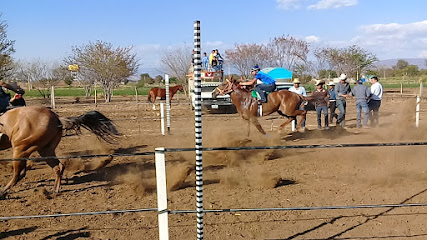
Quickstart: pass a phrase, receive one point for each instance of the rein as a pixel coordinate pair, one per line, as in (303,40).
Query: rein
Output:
(228,88)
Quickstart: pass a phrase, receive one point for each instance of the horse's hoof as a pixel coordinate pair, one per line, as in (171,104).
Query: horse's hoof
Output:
(3,196)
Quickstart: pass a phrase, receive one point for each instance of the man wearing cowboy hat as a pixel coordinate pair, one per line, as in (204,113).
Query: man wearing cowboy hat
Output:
(342,89)
(301,91)
(320,96)
(332,101)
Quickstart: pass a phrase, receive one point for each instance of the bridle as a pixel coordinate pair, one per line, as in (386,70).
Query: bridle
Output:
(229,87)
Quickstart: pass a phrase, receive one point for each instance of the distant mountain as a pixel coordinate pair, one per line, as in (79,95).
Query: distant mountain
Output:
(420,62)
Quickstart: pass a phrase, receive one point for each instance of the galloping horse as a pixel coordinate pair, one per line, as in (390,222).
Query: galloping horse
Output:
(161,92)
(284,102)
(38,129)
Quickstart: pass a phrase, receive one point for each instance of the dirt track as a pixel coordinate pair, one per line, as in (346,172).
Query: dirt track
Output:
(239,179)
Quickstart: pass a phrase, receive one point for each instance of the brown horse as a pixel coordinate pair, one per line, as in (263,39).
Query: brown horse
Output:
(38,129)
(284,102)
(161,92)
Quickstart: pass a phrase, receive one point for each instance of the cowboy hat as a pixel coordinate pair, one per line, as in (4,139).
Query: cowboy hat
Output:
(331,84)
(319,82)
(343,76)
(296,80)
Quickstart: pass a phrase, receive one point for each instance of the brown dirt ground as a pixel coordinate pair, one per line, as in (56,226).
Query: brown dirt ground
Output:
(233,179)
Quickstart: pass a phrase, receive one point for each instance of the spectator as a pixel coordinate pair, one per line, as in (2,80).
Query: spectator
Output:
(332,101)
(205,61)
(212,60)
(362,94)
(301,91)
(219,60)
(320,96)
(342,90)
(375,101)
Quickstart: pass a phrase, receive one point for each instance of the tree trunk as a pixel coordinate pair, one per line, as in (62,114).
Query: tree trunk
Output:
(88,91)
(108,92)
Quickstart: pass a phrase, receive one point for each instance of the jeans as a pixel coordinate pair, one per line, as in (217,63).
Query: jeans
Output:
(374,106)
(262,88)
(362,105)
(319,110)
(332,107)
(341,105)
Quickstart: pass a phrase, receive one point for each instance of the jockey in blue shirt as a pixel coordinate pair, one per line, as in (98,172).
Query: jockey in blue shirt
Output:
(264,83)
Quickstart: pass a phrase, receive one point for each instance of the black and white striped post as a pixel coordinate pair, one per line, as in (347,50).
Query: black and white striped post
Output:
(198,128)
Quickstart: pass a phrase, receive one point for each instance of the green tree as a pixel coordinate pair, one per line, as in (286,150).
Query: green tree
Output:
(6,50)
(68,80)
(401,64)
(158,79)
(144,79)
(412,70)
(105,64)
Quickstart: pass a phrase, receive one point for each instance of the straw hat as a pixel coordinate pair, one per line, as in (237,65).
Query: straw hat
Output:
(296,80)
(343,76)
(319,82)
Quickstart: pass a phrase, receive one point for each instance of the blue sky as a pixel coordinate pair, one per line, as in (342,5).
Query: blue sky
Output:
(47,29)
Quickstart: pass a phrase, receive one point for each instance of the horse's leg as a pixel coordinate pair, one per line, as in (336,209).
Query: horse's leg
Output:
(19,169)
(255,122)
(290,119)
(57,167)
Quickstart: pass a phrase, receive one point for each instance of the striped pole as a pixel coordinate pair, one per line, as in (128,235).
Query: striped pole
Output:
(198,128)
(168,106)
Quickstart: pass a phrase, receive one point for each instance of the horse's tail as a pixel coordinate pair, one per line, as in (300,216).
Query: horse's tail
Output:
(98,124)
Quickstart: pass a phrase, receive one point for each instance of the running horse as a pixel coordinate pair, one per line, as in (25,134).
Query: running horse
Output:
(38,129)
(284,102)
(161,92)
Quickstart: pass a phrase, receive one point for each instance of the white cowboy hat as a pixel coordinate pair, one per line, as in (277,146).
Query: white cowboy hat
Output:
(296,80)
(331,84)
(343,76)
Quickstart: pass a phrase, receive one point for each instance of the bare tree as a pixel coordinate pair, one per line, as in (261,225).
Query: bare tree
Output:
(244,56)
(104,64)
(288,51)
(6,49)
(320,61)
(178,61)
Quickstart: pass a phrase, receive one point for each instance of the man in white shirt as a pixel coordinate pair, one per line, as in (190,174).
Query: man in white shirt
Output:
(301,91)
(375,101)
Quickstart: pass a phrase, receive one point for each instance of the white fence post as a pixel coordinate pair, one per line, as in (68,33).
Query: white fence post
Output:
(417,112)
(52,97)
(162,118)
(162,199)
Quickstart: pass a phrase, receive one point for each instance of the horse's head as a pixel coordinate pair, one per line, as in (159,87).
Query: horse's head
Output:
(225,87)
(180,88)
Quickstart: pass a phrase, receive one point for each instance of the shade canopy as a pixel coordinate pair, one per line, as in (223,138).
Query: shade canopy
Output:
(279,74)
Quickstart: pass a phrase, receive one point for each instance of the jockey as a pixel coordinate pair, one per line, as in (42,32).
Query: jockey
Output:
(5,97)
(264,83)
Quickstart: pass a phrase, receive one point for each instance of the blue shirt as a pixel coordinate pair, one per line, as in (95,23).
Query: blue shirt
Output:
(332,94)
(265,78)
(205,60)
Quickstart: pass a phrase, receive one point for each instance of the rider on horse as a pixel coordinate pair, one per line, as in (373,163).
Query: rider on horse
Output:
(265,83)
(5,97)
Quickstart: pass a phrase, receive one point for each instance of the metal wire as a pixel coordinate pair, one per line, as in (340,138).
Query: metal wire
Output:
(79,214)
(215,210)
